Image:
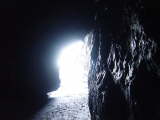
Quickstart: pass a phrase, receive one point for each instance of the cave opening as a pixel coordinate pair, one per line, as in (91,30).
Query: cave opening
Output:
(73,69)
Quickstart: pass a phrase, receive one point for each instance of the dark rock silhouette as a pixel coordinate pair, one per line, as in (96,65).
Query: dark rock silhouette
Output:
(124,74)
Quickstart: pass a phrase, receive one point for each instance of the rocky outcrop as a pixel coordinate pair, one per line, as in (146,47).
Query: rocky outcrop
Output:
(124,75)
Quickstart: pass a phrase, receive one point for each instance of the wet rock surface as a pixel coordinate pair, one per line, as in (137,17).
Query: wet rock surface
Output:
(124,74)
(65,108)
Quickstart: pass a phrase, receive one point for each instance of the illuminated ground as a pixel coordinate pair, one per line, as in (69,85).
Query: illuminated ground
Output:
(65,108)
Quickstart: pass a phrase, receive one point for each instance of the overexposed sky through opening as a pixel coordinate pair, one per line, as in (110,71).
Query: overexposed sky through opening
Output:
(73,71)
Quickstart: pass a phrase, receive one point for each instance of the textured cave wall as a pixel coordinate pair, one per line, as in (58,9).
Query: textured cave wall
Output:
(124,75)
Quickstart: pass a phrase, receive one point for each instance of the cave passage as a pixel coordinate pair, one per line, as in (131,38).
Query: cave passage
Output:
(73,71)
(70,100)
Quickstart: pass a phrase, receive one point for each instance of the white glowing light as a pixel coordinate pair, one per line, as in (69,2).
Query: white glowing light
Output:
(72,64)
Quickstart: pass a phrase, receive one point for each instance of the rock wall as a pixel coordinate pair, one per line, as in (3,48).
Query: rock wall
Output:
(124,75)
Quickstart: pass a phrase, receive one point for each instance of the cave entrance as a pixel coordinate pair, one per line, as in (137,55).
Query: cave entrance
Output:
(73,70)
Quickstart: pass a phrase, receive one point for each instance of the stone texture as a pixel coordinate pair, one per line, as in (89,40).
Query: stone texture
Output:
(124,75)
(65,108)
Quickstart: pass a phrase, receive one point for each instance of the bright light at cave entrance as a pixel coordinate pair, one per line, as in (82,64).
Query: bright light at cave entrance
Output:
(73,70)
